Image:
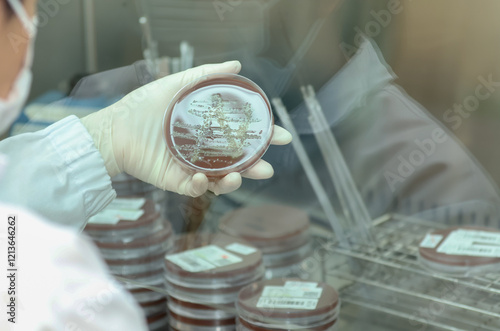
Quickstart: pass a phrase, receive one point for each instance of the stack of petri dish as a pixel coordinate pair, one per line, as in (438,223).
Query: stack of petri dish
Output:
(287,304)
(133,239)
(280,232)
(204,277)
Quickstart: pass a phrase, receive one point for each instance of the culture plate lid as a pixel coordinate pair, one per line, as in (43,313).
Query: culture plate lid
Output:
(128,213)
(218,124)
(266,224)
(212,257)
(289,301)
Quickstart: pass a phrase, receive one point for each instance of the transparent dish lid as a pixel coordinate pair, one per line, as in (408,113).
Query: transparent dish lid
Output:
(218,124)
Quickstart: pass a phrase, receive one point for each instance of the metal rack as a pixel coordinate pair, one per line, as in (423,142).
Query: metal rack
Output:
(388,279)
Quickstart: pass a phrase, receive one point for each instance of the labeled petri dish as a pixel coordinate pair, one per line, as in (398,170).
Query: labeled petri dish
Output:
(211,268)
(288,304)
(226,261)
(218,124)
(271,228)
(461,251)
(141,226)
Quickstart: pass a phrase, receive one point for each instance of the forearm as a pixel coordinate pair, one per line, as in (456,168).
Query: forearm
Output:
(56,172)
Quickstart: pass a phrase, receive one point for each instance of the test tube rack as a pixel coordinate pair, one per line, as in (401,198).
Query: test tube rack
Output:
(388,279)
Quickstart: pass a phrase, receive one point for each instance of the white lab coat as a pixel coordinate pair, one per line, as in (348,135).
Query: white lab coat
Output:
(61,282)
(57,173)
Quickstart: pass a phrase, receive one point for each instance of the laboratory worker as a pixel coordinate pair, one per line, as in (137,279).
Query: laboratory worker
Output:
(57,281)
(54,279)
(63,172)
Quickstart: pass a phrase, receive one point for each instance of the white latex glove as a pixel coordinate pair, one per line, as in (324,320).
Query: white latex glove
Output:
(129,136)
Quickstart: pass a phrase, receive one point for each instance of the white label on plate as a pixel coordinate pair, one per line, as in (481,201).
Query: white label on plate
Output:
(431,240)
(241,249)
(289,303)
(289,297)
(483,237)
(113,216)
(100,219)
(300,285)
(203,258)
(130,204)
(471,243)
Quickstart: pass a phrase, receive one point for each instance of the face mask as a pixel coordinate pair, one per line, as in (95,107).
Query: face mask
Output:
(11,107)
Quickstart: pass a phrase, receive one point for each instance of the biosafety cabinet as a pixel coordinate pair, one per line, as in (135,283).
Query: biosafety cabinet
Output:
(384,211)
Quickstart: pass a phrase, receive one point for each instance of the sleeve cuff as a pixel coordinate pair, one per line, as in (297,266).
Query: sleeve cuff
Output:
(85,164)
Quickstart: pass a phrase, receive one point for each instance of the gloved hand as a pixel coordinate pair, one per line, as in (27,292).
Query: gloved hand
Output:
(129,136)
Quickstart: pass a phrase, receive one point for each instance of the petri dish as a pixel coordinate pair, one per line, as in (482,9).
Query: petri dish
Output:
(182,323)
(158,282)
(159,242)
(285,271)
(211,268)
(214,323)
(198,311)
(218,124)
(285,304)
(458,258)
(154,307)
(134,266)
(145,296)
(148,296)
(290,257)
(240,265)
(157,322)
(146,278)
(271,228)
(124,228)
(242,325)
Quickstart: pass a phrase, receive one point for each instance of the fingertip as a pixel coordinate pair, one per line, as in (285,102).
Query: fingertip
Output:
(266,170)
(234,177)
(231,182)
(237,66)
(192,74)
(232,66)
(281,136)
(199,185)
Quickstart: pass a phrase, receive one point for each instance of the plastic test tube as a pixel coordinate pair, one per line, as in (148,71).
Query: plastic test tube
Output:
(352,204)
(311,173)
